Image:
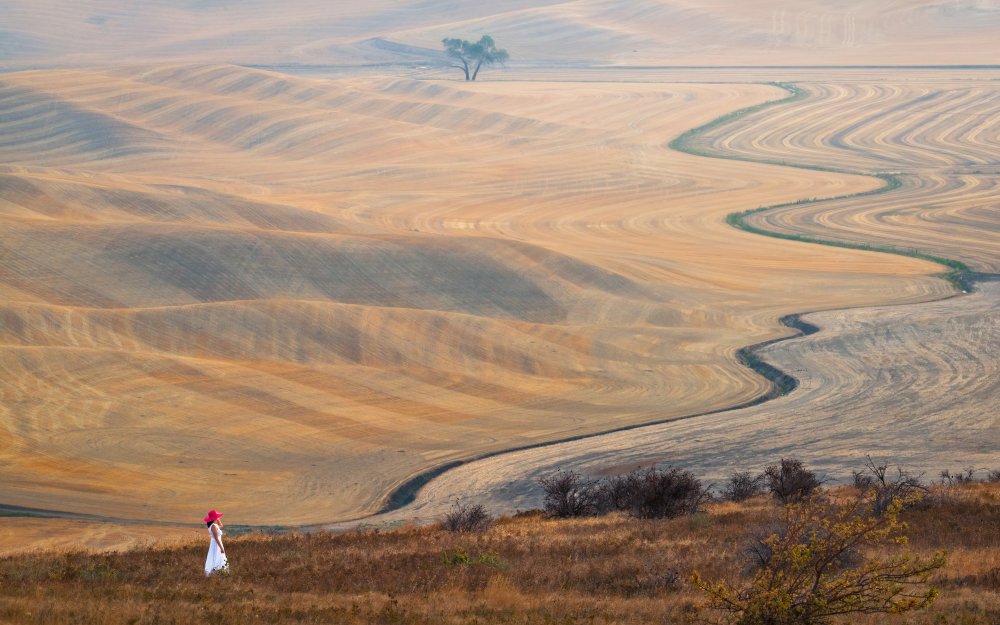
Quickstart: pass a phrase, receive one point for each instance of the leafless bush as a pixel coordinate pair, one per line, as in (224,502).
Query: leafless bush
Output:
(616,493)
(863,480)
(993,475)
(876,479)
(789,481)
(743,485)
(657,493)
(967,476)
(467,518)
(569,494)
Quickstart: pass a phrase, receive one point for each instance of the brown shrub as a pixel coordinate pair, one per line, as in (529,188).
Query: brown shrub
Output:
(743,485)
(568,494)
(467,518)
(789,481)
(657,493)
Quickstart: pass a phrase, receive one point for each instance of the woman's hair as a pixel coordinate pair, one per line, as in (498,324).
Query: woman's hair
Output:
(209,523)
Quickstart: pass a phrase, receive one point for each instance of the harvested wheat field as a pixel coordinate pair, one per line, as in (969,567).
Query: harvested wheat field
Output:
(940,139)
(914,384)
(288,295)
(22,535)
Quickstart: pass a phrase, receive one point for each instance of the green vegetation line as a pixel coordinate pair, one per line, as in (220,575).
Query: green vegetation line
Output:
(958,273)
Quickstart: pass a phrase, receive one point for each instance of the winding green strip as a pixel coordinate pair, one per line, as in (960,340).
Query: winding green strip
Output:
(958,273)
(683,141)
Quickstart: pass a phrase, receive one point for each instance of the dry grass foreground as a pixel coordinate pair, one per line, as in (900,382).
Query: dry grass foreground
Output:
(562,32)
(285,297)
(523,570)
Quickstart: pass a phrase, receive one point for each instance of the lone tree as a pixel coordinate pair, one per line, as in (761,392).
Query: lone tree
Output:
(790,481)
(470,57)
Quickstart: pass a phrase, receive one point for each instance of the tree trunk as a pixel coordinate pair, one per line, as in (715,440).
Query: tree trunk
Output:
(476,73)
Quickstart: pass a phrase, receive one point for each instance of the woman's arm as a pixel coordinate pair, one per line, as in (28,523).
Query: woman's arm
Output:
(215,536)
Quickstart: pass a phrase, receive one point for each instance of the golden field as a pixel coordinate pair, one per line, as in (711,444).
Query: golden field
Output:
(915,384)
(285,295)
(939,139)
(288,295)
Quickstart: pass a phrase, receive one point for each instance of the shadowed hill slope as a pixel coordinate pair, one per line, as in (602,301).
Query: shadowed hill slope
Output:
(74,201)
(136,266)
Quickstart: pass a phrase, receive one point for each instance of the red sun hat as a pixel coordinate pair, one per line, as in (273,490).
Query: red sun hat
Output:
(212,516)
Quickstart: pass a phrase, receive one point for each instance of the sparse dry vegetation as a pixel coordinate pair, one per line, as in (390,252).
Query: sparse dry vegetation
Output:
(524,569)
(886,487)
(743,485)
(650,493)
(467,517)
(568,494)
(790,481)
(658,493)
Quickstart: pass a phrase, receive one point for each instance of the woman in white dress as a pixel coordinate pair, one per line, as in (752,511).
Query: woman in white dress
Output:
(216,560)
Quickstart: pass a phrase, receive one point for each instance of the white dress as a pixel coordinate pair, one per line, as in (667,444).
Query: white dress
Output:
(216,560)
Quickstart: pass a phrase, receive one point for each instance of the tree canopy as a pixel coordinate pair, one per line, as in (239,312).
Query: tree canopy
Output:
(471,57)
